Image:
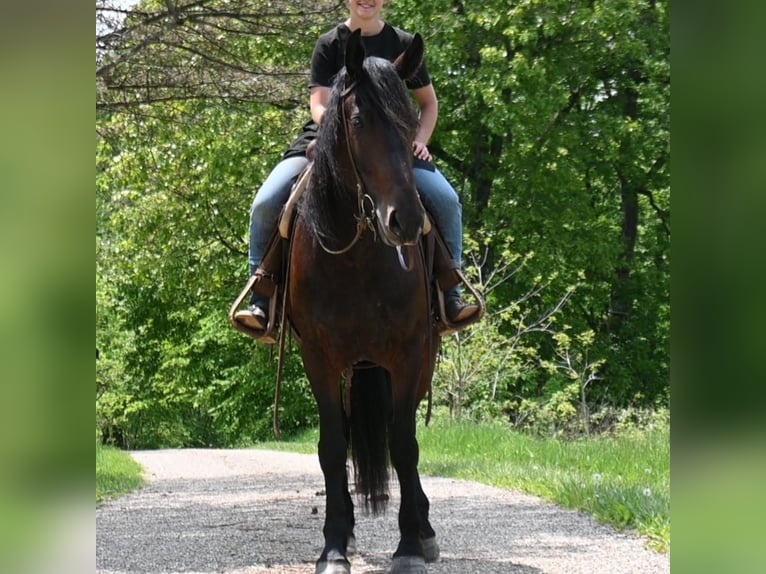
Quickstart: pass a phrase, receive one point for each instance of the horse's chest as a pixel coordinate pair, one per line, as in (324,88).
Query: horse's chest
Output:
(355,293)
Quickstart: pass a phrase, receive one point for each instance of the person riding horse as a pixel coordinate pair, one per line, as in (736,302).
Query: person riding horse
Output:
(442,202)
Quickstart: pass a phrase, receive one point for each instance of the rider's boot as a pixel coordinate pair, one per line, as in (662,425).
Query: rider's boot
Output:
(264,289)
(448,276)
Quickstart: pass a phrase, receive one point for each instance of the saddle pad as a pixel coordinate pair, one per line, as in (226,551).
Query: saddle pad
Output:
(286,219)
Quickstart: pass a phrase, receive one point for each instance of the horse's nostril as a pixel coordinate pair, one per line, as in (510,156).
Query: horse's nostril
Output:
(393,224)
(404,226)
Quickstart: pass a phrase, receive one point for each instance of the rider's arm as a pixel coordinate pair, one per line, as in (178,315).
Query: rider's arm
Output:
(429,113)
(320,96)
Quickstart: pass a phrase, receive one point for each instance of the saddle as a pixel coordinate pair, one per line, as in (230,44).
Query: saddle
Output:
(444,273)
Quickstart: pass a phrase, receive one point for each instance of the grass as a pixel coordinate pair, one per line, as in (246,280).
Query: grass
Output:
(304,442)
(116,473)
(623,480)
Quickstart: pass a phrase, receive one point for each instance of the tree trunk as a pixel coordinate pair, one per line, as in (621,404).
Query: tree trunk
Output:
(621,298)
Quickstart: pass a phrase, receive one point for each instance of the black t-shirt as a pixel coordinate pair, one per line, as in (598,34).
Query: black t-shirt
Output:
(330,50)
(329,58)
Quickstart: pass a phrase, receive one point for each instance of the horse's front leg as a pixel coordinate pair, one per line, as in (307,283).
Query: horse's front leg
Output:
(333,446)
(427,533)
(409,557)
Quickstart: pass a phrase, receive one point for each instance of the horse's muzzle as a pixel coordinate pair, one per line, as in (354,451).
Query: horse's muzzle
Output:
(402,227)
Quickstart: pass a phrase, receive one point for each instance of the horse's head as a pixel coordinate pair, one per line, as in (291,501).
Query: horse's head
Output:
(364,149)
(380,124)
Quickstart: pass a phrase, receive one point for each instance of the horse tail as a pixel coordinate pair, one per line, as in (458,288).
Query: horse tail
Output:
(370,416)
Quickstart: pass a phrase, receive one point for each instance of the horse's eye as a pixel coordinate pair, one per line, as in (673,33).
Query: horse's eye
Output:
(356,122)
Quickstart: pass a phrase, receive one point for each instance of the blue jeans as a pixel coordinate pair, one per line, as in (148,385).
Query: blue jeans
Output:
(268,204)
(437,195)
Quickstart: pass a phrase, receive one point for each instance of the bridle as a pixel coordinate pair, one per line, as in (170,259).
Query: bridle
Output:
(365,217)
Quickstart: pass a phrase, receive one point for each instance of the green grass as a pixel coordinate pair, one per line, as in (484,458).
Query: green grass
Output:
(304,442)
(116,473)
(623,481)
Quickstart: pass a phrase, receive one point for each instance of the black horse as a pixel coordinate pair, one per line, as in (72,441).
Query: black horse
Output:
(358,299)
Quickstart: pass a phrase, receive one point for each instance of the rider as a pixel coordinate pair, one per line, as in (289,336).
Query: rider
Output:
(382,40)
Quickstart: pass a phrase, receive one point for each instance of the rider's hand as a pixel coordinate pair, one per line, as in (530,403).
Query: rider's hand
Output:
(310,150)
(420,150)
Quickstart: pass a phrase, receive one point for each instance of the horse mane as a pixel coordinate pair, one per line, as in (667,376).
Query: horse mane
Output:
(380,90)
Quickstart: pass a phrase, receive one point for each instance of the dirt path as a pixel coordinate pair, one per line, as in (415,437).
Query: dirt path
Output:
(254,511)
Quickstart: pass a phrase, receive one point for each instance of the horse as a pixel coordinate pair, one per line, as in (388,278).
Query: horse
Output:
(358,300)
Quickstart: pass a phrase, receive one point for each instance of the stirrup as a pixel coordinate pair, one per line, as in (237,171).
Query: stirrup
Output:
(268,336)
(445,326)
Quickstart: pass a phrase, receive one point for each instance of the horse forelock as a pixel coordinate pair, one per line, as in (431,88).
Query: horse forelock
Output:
(388,96)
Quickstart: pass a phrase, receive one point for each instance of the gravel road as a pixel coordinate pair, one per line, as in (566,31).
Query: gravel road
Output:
(255,511)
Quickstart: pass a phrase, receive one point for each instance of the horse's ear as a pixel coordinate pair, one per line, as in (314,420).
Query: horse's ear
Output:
(354,57)
(409,61)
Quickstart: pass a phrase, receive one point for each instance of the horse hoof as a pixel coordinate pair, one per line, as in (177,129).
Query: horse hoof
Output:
(351,546)
(430,549)
(333,567)
(408,565)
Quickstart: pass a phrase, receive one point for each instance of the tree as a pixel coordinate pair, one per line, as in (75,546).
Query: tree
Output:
(233,51)
(178,160)
(555,125)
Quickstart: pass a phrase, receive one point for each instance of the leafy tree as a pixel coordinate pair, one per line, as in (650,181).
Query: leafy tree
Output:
(555,128)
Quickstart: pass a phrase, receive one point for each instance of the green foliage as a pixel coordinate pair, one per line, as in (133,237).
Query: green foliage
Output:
(554,129)
(171,252)
(556,136)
